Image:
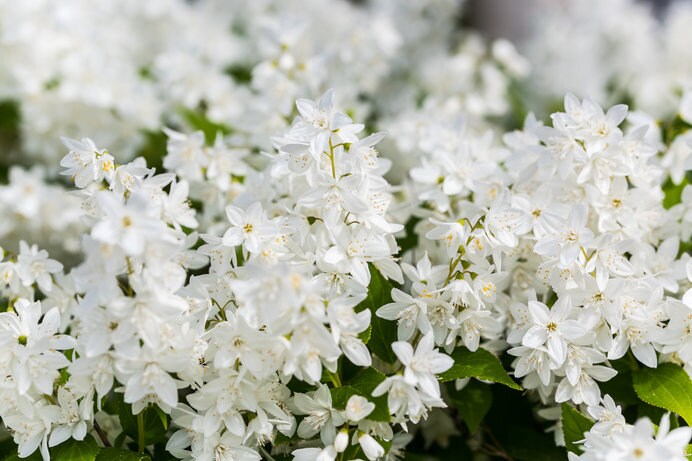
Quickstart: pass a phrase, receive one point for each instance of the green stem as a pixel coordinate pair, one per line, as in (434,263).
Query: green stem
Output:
(331,158)
(140,431)
(334,377)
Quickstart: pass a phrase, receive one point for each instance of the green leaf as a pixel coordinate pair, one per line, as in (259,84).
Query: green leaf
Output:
(668,387)
(154,427)
(472,402)
(114,454)
(365,335)
(153,148)
(673,193)
(73,450)
(201,123)
(382,332)
(527,444)
(574,424)
(9,450)
(480,364)
(35,456)
(363,384)
(410,239)
(620,387)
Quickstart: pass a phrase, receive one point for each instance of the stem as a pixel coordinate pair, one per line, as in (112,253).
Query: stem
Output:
(334,377)
(496,445)
(331,158)
(102,435)
(266,454)
(140,432)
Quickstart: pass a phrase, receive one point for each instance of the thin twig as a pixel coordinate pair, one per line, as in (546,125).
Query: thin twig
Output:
(102,435)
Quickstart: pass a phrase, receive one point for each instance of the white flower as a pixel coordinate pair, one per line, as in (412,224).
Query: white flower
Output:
(552,328)
(85,163)
(567,241)
(130,225)
(30,346)
(321,417)
(371,448)
(410,314)
(33,265)
(249,228)
(358,408)
(423,364)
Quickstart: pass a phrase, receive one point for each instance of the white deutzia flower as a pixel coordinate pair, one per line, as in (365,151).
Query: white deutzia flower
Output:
(34,266)
(533,360)
(320,120)
(73,417)
(677,337)
(176,207)
(321,416)
(128,177)
(608,259)
(230,448)
(371,448)
(85,163)
(636,442)
(421,365)
(129,225)
(584,390)
(639,326)
(30,343)
(185,154)
(328,453)
(353,251)
(146,382)
(567,241)
(450,234)
(9,276)
(346,325)
(410,314)
(659,263)
(552,328)
(32,431)
(358,408)
(249,228)
(608,417)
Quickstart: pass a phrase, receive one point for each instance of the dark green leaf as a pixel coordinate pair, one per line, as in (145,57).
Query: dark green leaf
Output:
(8,452)
(153,148)
(114,454)
(363,384)
(410,239)
(198,121)
(472,402)
(668,387)
(480,364)
(620,387)
(35,456)
(527,444)
(73,450)
(574,424)
(154,428)
(383,332)
(673,193)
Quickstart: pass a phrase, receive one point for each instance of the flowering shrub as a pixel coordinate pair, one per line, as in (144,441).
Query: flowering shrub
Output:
(328,253)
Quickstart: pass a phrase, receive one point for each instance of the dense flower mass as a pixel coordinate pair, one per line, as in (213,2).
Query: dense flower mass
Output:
(290,230)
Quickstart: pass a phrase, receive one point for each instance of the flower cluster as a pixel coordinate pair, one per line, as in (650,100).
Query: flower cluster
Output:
(611,438)
(261,267)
